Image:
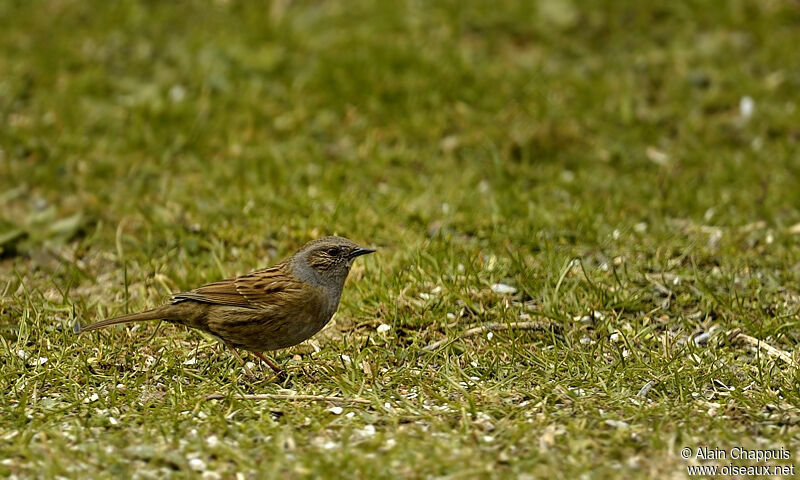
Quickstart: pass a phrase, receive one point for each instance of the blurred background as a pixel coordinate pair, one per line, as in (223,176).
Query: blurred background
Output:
(252,123)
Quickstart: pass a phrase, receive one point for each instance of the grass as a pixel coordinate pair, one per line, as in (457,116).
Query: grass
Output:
(599,157)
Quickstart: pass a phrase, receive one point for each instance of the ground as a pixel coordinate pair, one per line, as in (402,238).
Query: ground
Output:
(623,173)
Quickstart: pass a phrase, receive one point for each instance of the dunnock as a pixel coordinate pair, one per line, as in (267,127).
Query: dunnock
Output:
(268,309)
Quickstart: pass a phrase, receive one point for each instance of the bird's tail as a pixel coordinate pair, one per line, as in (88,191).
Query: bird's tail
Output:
(155,314)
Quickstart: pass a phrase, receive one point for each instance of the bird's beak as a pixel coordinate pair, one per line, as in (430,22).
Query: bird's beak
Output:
(360,251)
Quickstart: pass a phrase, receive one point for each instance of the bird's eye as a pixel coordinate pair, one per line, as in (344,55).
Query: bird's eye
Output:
(334,251)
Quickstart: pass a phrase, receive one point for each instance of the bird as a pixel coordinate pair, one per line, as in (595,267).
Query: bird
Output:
(264,310)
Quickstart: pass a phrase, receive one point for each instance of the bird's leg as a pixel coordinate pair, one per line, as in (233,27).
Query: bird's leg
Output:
(238,357)
(269,362)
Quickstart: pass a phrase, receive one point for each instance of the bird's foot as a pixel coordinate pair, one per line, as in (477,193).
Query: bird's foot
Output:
(271,364)
(281,377)
(249,372)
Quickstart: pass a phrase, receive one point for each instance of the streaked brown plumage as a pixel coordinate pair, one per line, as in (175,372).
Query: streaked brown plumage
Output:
(267,309)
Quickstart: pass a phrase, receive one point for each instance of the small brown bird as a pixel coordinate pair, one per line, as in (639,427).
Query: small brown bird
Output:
(268,309)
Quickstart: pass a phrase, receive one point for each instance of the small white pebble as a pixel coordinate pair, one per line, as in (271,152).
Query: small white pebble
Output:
(197,465)
(336,410)
(390,443)
(42,360)
(451,316)
(586,341)
(640,227)
(503,289)
(113,421)
(346,359)
(22,354)
(645,389)
(177,93)
(368,431)
(614,337)
(191,361)
(701,339)
(211,475)
(489,335)
(488,438)
(201,414)
(91,398)
(383,328)
(329,445)
(617,424)
(212,441)
(121,387)
(714,238)
(657,156)
(746,107)
(350,414)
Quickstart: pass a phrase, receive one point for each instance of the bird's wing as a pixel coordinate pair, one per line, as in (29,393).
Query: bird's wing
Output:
(259,289)
(269,287)
(219,293)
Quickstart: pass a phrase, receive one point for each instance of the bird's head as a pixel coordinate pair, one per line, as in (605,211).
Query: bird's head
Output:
(331,257)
